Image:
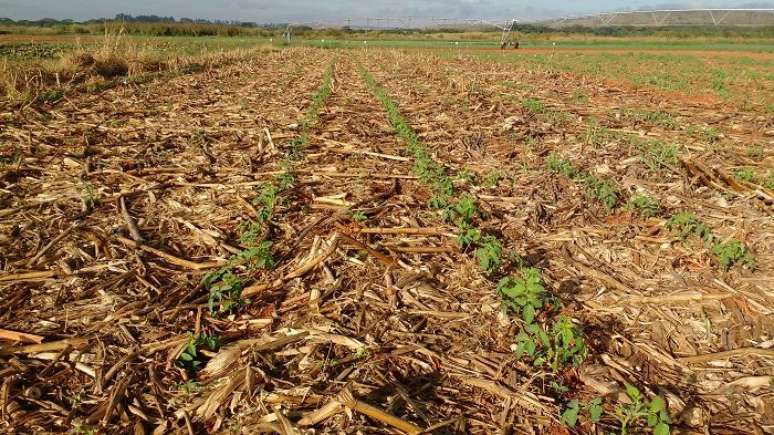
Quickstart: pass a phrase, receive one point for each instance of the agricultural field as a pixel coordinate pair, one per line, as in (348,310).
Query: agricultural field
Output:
(296,239)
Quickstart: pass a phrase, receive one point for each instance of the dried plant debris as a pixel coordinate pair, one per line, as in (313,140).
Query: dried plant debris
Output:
(331,241)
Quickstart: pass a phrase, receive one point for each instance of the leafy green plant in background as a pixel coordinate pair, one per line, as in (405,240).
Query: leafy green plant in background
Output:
(755,151)
(189,387)
(654,412)
(488,254)
(644,205)
(560,165)
(428,170)
(462,211)
(559,388)
(297,146)
(467,235)
(580,97)
(7,160)
(602,190)
(596,134)
(492,179)
(593,410)
(568,345)
(685,224)
(466,175)
(258,256)
(287,179)
(438,202)
(311,116)
(198,137)
(266,201)
(533,105)
(89,196)
(50,96)
(654,117)
(83,429)
(225,294)
(746,174)
(225,288)
(732,252)
(359,216)
(251,231)
(659,155)
(729,253)
(710,134)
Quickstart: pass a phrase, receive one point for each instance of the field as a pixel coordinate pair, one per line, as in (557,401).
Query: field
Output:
(259,238)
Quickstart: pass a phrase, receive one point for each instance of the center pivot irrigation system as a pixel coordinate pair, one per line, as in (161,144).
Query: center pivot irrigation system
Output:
(506,40)
(507,27)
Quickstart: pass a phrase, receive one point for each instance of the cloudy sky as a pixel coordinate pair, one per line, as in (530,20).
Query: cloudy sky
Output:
(339,10)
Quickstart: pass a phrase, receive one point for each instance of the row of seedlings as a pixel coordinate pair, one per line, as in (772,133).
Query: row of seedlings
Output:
(728,252)
(550,340)
(226,284)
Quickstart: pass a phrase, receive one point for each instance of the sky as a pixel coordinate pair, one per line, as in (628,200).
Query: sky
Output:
(309,11)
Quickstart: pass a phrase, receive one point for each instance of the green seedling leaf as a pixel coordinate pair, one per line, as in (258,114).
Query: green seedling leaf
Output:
(661,429)
(633,392)
(570,414)
(595,410)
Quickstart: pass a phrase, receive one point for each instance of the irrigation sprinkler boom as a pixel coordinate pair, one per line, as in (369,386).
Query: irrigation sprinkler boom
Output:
(506,39)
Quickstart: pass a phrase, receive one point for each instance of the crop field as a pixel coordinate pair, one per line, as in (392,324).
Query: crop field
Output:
(389,240)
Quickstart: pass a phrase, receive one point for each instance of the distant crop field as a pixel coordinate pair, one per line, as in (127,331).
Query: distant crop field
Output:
(737,77)
(242,235)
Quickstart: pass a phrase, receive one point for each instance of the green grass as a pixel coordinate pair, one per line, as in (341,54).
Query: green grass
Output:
(461,41)
(746,174)
(753,45)
(746,81)
(653,117)
(659,155)
(50,96)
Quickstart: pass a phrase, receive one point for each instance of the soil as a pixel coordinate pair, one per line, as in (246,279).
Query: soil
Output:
(115,205)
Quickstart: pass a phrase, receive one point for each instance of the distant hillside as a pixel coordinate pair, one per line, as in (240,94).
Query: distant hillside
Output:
(663,18)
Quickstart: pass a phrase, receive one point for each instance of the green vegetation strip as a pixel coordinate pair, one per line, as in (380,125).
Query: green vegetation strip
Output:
(549,340)
(683,224)
(225,285)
